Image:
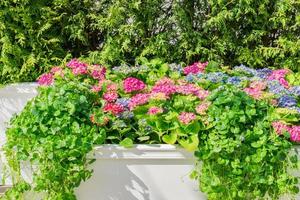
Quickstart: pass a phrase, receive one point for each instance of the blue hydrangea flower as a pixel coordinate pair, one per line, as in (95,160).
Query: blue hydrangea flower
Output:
(190,78)
(216,77)
(275,87)
(200,75)
(142,68)
(263,73)
(126,115)
(123,69)
(287,101)
(235,80)
(176,67)
(243,68)
(295,90)
(123,101)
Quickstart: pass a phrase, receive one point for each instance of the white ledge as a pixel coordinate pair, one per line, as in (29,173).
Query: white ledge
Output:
(141,151)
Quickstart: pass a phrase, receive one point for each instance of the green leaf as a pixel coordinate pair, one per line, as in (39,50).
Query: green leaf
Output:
(190,144)
(127,143)
(170,138)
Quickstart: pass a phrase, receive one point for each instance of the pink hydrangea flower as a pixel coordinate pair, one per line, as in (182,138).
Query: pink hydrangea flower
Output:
(284,82)
(57,71)
(46,79)
(195,68)
(133,84)
(274,102)
(98,72)
(279,75)
(138,99)
(202,94)
(202,108)
(77,67)
(295,133)
(158,96)
(187,89)
(186,117)
(253,92)
(155,110)
(258,85)
(79,70)
(165,86)
(113,108)
(96,88)
(279,127)
(112,87)
(110,96)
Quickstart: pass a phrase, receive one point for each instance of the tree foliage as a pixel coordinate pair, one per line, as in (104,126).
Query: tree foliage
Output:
(36,34)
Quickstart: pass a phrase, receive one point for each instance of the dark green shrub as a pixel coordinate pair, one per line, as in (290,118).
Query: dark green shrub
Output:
(37,34)
(256,32)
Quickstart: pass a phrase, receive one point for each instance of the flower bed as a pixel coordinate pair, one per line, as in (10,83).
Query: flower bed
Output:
(235,120)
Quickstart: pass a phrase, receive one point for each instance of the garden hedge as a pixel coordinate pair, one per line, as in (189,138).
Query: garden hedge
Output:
(37,34)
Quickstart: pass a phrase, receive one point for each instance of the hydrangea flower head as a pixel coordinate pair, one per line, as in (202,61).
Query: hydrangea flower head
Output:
(195,68)
(110,96)
(138,99)
(114,108)
(186,117)
(202,108)
(287,101)
(78,67)
(57,71)
(165,86)
(133,84)
(279,127)
(154,110)
(187,89)
(295,133)
(98,72)
(46,79)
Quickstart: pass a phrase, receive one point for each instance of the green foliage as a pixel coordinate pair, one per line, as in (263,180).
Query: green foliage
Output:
(257,33)
(242,157)
(54,133)
(35,35)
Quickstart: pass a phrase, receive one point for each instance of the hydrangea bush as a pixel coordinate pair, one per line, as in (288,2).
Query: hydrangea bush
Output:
(235,120)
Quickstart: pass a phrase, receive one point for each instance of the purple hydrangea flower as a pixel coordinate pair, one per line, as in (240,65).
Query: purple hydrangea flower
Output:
(275,87)
(295,90)
(176,67)
(216,77)
(190,78)
(234,80)
(123,101)
(126,115)
(263,73)
(247,70)
(287,101)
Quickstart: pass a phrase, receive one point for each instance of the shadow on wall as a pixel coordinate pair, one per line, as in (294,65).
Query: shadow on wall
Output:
(113,181)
